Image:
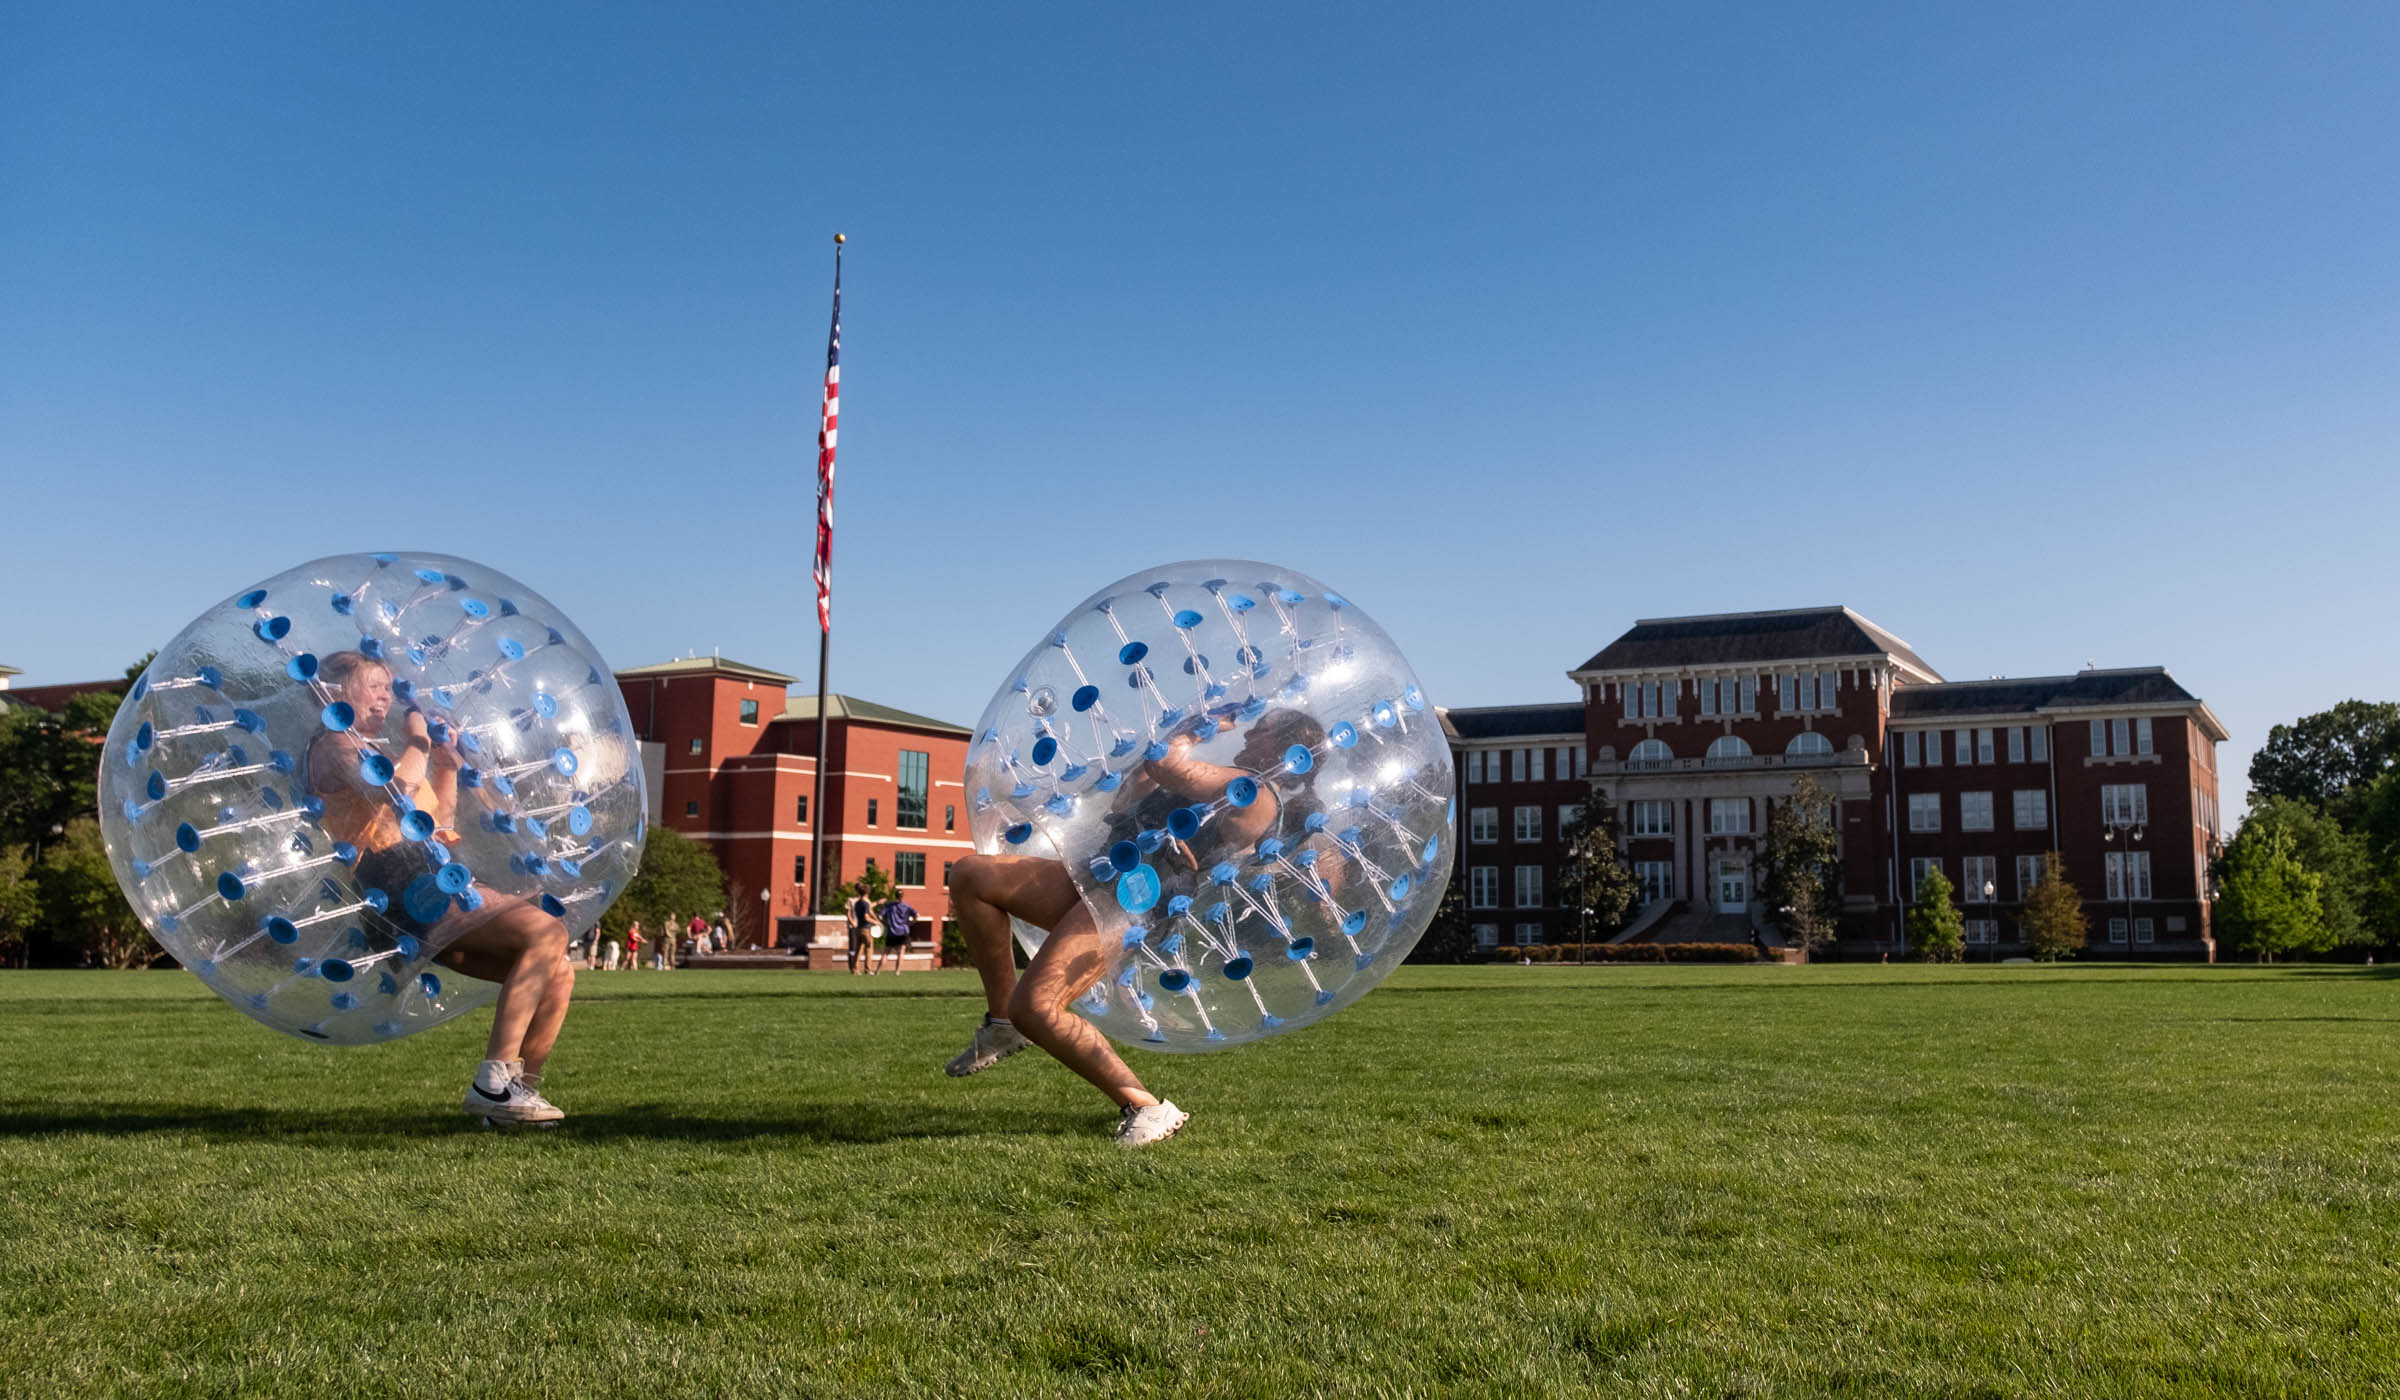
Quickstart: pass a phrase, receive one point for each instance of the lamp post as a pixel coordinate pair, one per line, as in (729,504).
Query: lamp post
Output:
(2133,830)
(1991,942)
(766,916)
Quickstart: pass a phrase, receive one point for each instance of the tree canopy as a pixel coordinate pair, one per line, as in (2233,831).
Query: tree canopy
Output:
(1936,930)
(2330,758)
(1800,877)
(2269,904)
(2054,922)
(677,877)
(1595,883)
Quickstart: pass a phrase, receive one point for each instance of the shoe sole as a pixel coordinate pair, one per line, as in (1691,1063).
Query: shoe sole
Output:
(956,1073)
(519,1122)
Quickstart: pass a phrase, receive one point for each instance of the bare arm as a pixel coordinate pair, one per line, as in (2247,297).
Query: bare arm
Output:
(1197,780)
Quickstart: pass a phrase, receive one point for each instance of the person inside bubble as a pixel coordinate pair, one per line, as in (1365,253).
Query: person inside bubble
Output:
(986,891)
(503,939)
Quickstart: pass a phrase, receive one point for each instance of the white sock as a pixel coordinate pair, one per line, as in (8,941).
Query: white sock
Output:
(492,1076)
(990,1020)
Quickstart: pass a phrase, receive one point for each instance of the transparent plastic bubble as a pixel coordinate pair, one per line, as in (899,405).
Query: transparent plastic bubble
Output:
(1292,880)
(327,779)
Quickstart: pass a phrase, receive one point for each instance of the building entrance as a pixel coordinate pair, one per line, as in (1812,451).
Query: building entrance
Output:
(1733,889)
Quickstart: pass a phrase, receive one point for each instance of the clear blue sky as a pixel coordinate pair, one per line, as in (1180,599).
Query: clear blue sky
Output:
(2038,334)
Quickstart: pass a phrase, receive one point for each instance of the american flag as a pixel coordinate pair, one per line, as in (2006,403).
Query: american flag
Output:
(825,439)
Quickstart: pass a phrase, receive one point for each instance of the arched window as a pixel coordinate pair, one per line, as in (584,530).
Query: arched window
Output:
(1728,752)
(1651,753)
(1808,743)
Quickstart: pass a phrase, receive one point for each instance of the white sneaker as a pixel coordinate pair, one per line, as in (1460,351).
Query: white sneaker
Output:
(994,1041)
(516,1103)
(1140,1127)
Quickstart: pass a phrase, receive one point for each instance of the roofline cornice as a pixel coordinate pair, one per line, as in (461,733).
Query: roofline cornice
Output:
(1847,661)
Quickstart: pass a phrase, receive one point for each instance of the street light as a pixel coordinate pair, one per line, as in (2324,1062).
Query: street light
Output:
(2133,831)
(1991,941)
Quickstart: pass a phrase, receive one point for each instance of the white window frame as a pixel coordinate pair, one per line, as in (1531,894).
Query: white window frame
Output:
(1651,752)
(1529,887)
(2016,743)
(1708,695)
(1569,813)
(1933,748)
(1748,695)
(2116,930)
(2029,874)
(1516,765)
(2144,930)
(1653,816)
(1974,872)
(1918,868)
(2037,740)
(1487,935)
(2123,865)
(1726,748)
(1529,935)
(1911,751)
(1534,758)
(2141,735)
(1483,825)
(1657,878)
(2125,804)
(1983,931)
(1528,823)
(1983,746)
(1729,816)
(1800,747)
(2099,738)
(2120,737)
(1974,811)
(1785,699)
(1483,887)
(1924,811)
(2030,809)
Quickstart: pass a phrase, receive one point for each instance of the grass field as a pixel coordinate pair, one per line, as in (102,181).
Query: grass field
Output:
(1868,1181)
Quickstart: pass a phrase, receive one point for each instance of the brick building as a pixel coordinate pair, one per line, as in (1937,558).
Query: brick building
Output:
(1695,727)
(731,762)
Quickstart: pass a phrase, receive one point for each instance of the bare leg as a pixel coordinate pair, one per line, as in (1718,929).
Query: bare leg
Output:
(1071,960)
(525,951)
(984,892)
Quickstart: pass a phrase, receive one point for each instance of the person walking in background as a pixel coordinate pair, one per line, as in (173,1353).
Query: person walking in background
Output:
(633,947)
(862,946)
(899,924)
(614,952)
(717,936)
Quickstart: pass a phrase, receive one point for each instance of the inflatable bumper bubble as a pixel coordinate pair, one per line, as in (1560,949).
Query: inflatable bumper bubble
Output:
(1274,897)
(326,779)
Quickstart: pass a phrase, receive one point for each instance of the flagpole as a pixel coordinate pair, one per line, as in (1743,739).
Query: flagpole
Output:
(824,576)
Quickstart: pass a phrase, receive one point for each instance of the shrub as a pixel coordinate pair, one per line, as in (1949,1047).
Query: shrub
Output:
(1627,953)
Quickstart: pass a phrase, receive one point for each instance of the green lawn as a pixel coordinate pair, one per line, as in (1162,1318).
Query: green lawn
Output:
(1866,1181)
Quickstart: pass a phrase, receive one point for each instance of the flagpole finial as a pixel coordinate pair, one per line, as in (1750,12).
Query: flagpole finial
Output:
(840,238)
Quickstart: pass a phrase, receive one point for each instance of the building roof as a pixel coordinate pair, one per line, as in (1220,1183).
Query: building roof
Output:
(706,665)
(1750,638)
(850,707)
(10,671)
(2135,685)
(1513,721)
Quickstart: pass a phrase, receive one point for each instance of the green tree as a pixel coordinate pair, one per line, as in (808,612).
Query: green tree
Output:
(2268,904)
(1800,869)
(2328,759)
(81,903)
(677,875)
(20,903)
(1936,930)
(2054,922)
(2378,829)
(1449,938)
(1595,883)
(873,882)
(2341,860)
